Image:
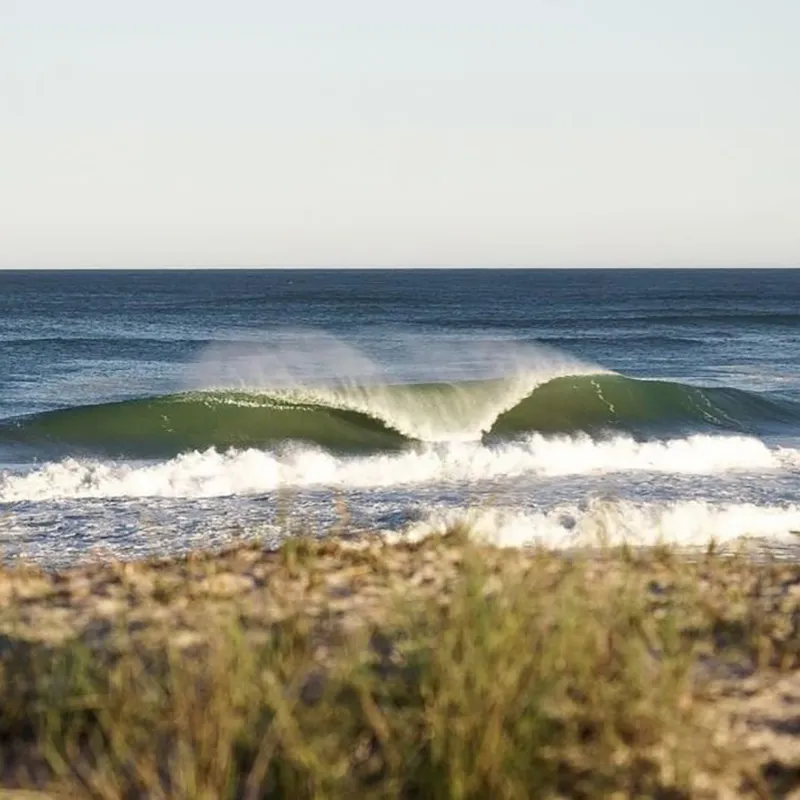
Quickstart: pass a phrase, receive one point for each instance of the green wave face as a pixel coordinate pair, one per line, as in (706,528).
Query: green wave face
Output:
(172,424)
(592,402)
(389,417)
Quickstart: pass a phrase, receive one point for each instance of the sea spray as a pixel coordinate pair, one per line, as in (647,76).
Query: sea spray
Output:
(299,359)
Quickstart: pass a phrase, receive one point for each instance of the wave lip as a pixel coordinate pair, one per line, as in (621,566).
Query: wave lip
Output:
(389,417)
(212,473)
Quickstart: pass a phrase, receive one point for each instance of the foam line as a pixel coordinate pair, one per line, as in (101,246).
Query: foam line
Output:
(211,473)
(615,522)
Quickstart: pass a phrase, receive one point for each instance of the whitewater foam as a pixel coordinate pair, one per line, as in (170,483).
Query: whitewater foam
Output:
(212,473)
(603,522)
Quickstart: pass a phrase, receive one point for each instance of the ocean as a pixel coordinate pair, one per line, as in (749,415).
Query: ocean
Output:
(152,412)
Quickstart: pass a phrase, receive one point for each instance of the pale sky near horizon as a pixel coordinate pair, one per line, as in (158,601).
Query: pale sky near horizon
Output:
(538,133)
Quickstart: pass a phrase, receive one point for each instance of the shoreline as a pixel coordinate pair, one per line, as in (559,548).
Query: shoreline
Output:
(727,627)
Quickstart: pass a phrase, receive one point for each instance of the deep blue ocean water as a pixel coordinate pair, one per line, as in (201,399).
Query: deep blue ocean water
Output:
(154,411)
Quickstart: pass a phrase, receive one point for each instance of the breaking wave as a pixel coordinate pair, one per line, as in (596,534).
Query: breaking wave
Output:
(390,416)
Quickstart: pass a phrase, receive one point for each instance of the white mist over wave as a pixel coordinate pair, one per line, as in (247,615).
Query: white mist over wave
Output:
(603,522)
(245,472)
(314,367)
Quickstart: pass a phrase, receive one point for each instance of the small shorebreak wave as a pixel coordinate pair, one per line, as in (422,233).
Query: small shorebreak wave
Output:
(371,418)
(604,522)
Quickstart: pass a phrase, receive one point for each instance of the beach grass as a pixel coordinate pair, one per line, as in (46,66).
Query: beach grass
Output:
(441,669)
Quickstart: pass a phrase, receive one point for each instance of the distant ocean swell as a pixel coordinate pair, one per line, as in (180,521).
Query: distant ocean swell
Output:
(372,418)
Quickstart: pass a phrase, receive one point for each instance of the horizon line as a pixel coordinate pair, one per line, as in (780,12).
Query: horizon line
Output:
(362,267)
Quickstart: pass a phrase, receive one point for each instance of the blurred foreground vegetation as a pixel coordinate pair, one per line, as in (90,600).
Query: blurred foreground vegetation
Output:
(520,674)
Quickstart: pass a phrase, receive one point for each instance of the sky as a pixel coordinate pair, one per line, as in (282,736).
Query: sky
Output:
(164,133)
